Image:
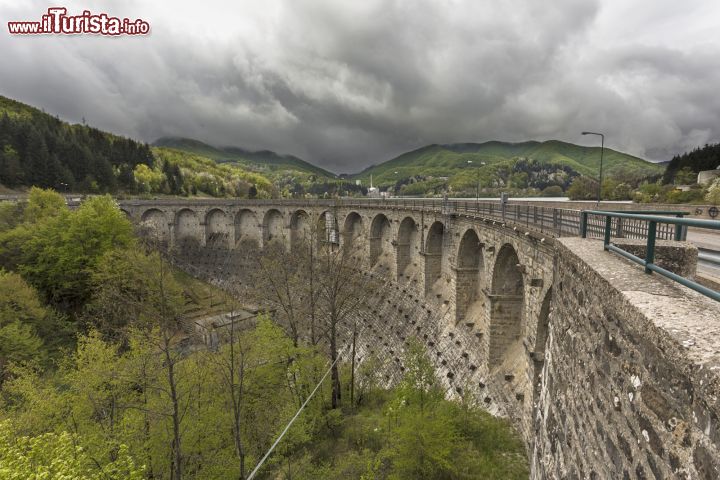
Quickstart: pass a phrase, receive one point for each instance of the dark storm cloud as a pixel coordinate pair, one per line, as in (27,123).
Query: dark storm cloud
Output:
(346,84)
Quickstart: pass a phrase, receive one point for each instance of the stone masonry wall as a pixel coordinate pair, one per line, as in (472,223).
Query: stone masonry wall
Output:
(630,386)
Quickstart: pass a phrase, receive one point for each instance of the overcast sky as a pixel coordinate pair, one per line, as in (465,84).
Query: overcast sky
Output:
(345,84)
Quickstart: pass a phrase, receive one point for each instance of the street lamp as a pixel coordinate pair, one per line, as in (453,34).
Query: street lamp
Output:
(477,180)
(602,148)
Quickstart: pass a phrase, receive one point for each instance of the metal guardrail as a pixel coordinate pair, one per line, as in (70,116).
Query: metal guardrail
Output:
(552,221)
(649,261)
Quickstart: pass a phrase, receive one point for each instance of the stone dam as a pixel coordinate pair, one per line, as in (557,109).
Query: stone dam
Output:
(607,372)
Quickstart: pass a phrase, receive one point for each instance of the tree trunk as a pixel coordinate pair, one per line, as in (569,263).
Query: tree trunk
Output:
(335,374)
(352,368)
(177,448)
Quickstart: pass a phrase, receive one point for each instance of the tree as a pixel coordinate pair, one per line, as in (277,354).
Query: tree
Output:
(552,191)
(317,285)
(713,193)
(24,322)
(685,176)
(123,291)
(583,188)
(57,455)
(60,253)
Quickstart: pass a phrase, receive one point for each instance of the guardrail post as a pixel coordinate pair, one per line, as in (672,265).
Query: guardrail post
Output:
(608,227)
(583,224)
(679,230)
(650,253)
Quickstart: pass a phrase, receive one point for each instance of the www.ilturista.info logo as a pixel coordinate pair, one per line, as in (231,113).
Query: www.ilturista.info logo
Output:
(57,21)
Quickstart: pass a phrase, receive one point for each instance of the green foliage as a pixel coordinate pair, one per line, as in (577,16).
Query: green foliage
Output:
(38,149)
(124,291)
(583,188)
(191,174)
(500,165)
(689,164)
(552,191)
(713,193)
(397,436)
(59,253)
(685,176)
(24,323)
(57,455)
(263,161)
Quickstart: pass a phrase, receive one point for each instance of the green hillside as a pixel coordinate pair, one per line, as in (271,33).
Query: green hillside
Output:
(264,161)
(37,149)
(502,165)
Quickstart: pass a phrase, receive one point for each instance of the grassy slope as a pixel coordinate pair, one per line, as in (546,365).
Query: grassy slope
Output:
(448,160)
(261,160)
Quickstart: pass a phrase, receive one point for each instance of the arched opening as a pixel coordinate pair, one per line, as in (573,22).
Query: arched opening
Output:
(154,224)
(187,226)
(506,303)
(467,275)
(272,227)
(217,228)
(126,213)
(541,338)
(433,255)
(406,246)
(380,238)
(352,228)
(247,230)
(326,230)
(300,232)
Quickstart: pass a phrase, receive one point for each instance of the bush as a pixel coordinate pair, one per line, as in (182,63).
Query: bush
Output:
(552,191)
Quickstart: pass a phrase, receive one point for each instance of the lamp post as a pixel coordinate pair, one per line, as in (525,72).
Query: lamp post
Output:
(477,180)
(602,148)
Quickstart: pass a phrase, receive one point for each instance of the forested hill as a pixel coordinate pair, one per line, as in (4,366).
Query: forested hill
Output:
(497,162)
(39,149)
(262,160)
(705,158)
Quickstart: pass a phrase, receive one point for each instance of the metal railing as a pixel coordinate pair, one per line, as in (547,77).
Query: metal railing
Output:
(652,221)
(551,221)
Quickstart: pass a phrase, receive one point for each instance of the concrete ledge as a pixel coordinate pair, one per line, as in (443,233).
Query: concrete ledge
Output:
(678,257)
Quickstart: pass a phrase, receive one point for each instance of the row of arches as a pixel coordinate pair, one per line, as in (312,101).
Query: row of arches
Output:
(495,296)
(222,229)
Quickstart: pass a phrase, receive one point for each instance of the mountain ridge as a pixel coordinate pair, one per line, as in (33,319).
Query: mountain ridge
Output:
(488,159)
(264,158)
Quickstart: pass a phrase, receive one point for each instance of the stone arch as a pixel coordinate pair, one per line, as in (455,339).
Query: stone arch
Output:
(541,338)
(406,245)
(380,238)
(352,228)
(217,228)
(272,227)
(507,303)
(247,229)
(155,225)
(433,255)
(300,228)
(326,229)
(187,226)
(468,274)
(126,213)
